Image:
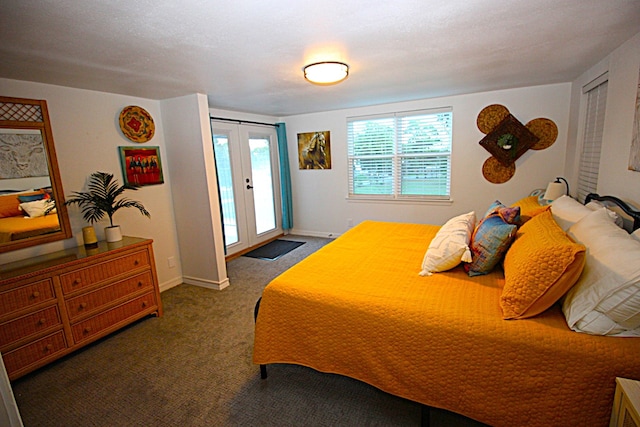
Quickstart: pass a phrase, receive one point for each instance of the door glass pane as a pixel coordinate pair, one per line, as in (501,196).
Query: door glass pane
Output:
(262,184)
(225,182)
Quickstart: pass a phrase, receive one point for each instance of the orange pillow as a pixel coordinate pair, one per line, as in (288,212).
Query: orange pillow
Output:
(529,207)
(542,264)
(9,203)
(9,206)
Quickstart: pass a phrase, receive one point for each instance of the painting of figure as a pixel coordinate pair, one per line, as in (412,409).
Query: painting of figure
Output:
(314,150)
(141,166)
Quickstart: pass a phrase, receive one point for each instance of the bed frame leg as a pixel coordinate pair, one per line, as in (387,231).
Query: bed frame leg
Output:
(425,415)
(263,368)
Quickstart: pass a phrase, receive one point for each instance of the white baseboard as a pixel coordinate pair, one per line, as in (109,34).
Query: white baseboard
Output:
(170,284)
(205,283)
(325,234)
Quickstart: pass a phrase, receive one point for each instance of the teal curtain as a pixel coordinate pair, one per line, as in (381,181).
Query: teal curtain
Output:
(285,178)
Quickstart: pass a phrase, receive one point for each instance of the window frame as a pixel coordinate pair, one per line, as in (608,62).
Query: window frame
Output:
(396,196)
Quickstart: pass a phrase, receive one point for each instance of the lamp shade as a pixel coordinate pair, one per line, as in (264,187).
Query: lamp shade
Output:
(326,73)
(554,190)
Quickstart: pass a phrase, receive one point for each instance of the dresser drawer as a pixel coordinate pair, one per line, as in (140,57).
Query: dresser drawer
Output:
(90,301)
(83,277)
(29,324)
(115,316)
(31,353)
(25,296)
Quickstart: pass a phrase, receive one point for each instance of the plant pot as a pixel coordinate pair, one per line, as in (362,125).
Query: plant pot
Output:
(112,233)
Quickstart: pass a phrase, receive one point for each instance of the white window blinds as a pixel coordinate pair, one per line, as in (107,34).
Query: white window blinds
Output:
(401,155)
(596,93)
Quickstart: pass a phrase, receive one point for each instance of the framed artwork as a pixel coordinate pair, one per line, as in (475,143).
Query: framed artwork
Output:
(314,150)
(508,140)
(22,154)
(634,156)
(141,166)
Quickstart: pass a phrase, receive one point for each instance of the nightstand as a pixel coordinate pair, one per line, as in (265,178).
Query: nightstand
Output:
(626,404)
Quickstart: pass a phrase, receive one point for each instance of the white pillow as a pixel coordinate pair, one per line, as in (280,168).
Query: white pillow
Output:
(38,207)
(450,246)
(594,205)
(567,211)
(606,298)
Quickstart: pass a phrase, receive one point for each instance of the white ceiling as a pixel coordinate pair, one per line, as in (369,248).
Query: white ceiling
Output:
(247,55)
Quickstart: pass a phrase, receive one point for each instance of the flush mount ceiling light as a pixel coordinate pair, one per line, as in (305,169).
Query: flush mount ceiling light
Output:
(326,73)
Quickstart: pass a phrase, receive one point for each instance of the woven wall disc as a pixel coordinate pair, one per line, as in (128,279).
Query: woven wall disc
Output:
(546,131)
(136,124)
(496,172)
(490,117)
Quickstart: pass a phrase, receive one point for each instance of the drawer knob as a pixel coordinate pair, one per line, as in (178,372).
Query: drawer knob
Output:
(83,305)
(35,294)
(136,262)
(42,321)
(77,281)
(140,284)
(144,303)
(87,329)
(48,348)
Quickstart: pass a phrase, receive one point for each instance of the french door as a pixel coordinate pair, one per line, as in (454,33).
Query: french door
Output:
(248,179)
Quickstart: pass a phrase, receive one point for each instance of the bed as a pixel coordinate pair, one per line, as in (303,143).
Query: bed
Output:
(27,214)
(359,308)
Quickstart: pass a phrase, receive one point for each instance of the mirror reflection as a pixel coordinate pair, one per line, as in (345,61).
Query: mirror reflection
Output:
(31,201)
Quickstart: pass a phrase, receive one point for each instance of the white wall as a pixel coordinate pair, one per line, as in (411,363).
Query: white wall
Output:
(87,136)
(320,205)
(196,202)
(9,412)
(614,177)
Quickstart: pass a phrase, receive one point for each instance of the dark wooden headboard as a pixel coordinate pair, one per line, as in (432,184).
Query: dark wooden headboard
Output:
(625,207)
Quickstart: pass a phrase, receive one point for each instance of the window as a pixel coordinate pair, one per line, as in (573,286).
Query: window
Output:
(596,93)
(400,155)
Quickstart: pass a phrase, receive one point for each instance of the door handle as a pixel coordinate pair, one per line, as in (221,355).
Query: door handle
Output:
(249,187)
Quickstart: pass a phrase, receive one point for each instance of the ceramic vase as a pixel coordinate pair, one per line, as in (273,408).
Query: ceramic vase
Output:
(113,234)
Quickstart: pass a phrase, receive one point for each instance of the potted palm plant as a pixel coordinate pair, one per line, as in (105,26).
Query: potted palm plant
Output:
(104,197)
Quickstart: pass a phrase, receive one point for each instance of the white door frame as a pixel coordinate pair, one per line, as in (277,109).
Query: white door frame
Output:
(240,157)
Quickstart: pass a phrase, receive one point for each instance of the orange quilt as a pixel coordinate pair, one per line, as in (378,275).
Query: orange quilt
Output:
(20,227)
(357,307)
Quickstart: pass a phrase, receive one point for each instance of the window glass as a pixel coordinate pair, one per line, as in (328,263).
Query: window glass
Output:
(401,155)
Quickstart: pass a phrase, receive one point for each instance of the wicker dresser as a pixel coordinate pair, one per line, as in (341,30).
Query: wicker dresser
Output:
(54,304)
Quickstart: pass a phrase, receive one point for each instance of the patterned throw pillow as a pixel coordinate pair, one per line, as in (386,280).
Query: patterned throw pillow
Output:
(492,238)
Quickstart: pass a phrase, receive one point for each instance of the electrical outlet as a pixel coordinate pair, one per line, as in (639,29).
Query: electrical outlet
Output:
(171,261)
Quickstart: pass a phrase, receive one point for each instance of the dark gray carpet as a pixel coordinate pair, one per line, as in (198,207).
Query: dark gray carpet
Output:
(192,367)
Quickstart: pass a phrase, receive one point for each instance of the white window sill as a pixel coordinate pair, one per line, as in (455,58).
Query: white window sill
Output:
(404,200)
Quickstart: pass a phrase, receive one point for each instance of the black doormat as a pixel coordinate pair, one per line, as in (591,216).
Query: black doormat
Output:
(273,250)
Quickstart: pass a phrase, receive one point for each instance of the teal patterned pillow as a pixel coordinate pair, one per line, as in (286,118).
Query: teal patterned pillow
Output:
(510,215)
(491,240)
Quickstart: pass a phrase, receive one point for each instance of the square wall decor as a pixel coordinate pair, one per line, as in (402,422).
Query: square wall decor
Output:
(508,140)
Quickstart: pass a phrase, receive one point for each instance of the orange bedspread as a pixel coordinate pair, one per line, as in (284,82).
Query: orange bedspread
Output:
(358,307)
(19,227)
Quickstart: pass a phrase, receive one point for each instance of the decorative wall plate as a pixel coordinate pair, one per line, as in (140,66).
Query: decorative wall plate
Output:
(136,124)
(495,172)
(546,131)
(490,117)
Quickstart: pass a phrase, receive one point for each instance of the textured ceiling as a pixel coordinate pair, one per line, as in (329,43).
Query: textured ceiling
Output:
(247,55)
